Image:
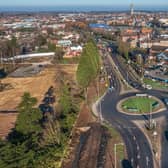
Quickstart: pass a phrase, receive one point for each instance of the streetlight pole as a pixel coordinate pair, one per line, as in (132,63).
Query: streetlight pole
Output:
(128,63)
(98,84)
(115,154)
(127,79)
(150,114)
(100,110)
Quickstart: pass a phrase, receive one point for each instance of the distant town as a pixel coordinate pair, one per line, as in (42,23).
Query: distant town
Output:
(34,32)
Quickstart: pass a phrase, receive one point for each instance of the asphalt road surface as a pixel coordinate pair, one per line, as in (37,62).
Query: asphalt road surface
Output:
(160,95)
(139,151)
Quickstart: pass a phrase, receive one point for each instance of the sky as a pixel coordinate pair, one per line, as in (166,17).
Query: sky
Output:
(82,2)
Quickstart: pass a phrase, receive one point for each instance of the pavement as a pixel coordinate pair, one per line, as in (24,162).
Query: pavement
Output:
(27,71)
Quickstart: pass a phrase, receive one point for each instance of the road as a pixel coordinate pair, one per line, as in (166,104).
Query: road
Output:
(136,146)
(139,151)
(160,94)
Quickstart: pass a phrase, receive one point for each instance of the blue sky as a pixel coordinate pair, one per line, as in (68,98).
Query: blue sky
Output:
(81,2)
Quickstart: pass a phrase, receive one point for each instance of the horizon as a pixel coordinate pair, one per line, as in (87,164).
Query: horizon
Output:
(10,3)
(80,8)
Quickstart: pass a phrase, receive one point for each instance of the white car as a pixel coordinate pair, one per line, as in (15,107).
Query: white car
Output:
(149,87)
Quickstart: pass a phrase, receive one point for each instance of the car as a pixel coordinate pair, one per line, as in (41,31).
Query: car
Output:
(166,135)
(149,87)
(165,100)
(126,164)
(135,85)
(40,66)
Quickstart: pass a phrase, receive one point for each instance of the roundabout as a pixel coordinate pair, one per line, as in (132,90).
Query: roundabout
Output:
(111,109)
(139,105)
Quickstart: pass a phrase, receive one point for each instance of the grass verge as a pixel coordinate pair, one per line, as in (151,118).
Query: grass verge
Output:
(156,84)
(139,104)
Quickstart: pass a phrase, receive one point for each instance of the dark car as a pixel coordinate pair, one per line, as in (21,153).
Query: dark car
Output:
(166,135)
(135,85)
(165,100)
(126,164)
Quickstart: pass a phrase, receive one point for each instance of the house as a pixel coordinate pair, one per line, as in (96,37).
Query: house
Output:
(157,49)
(163,56)
(158,72)
(145,44)
(76,48)
(130,35)
(64,43)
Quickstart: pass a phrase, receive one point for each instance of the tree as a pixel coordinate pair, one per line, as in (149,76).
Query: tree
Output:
(3,51)
(89,65)
(41,40)
(59,53)
(13,156)
(51,133)
(23,152)
(123,49)
(51,47)
(13,45)
(65,100)
(84,71)
(28,121)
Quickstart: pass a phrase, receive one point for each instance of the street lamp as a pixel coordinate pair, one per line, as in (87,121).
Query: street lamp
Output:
(100,113)
(127,80)
(115,153)
(151,122)
(128,63)
(150,114)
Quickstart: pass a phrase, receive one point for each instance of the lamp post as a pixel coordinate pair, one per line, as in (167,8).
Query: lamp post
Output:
(150,114)
(115,153)
(128,63)
(100,110)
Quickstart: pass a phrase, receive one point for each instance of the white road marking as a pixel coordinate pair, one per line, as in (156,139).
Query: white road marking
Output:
(134,138)
(138,156)
(147,161)
(137,147)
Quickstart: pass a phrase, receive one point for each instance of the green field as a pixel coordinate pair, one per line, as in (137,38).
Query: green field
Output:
(139,105)
(155,84)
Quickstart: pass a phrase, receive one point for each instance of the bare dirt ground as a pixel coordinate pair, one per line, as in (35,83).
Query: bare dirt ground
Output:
(7,122)
(36,86)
